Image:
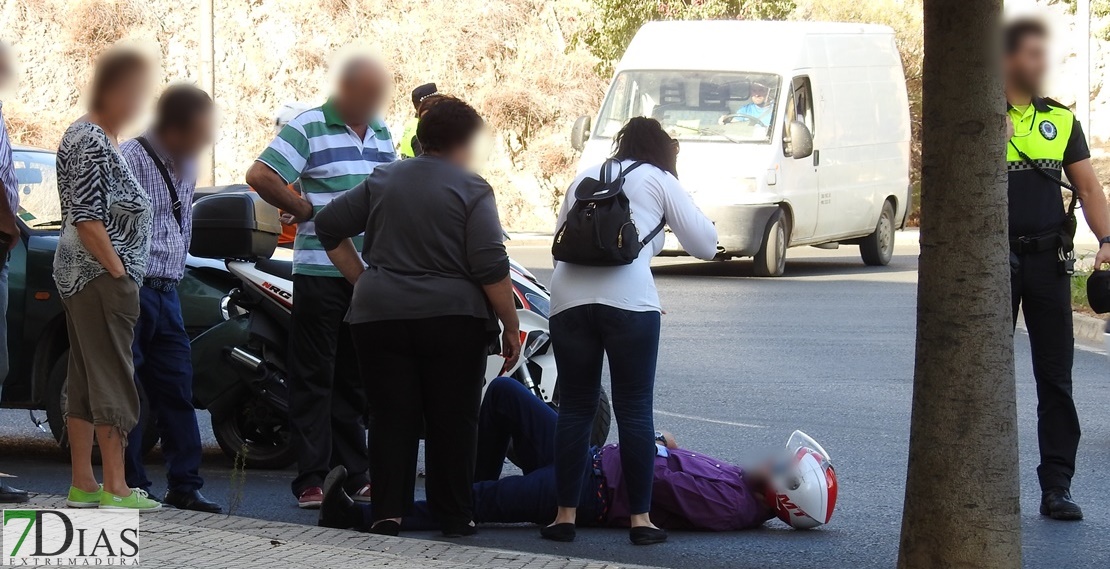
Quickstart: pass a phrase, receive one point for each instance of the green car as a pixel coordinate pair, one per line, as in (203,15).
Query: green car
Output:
(37,342)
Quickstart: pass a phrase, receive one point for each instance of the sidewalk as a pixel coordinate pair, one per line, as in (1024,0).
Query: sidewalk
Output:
(171,539)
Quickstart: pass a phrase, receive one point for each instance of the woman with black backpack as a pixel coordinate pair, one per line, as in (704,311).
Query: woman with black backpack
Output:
(604,303)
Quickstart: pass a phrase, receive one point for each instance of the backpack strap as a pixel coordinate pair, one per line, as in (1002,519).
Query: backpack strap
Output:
(634,165)
(654,232)
(622,173)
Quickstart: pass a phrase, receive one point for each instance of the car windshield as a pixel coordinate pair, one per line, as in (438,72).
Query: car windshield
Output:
(38,189)
(695,105)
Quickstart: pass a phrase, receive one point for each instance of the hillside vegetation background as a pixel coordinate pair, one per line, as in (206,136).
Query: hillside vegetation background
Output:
(529,66)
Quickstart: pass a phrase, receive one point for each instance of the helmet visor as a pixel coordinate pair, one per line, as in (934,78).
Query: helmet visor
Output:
(801,440)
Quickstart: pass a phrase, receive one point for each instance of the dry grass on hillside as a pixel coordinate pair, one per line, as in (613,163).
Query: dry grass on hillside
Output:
(508,58)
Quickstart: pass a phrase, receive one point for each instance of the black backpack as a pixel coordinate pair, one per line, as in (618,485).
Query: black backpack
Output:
(599,231)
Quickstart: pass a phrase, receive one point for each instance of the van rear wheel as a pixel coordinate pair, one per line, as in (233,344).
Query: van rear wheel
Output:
(878,248)
(770,261)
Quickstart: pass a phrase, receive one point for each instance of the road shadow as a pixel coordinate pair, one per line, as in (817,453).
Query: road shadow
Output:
(801,267)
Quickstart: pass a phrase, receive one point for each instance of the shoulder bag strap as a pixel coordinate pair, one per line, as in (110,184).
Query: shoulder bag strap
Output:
(1073,203)
(165,177)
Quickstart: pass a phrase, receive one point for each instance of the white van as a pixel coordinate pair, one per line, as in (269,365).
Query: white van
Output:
(823,160)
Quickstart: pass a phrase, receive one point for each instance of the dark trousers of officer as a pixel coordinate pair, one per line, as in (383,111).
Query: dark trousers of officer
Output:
(327,403)
(164,371)
(1044,296)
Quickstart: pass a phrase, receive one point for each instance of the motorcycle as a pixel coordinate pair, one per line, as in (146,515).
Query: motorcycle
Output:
(250,414)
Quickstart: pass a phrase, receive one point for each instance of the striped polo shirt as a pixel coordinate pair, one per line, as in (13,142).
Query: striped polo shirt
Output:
(329,158)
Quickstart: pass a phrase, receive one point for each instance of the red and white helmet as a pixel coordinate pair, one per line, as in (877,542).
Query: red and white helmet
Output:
(802,489)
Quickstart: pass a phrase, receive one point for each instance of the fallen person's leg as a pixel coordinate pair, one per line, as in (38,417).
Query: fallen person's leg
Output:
(529,498)
(511,412)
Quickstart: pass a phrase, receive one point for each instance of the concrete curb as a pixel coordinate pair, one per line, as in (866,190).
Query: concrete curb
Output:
(171,539)
(1088,327)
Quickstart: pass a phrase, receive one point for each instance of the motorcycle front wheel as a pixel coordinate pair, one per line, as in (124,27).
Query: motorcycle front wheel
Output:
(255,434)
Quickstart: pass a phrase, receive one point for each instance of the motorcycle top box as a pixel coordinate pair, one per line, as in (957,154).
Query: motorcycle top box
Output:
(234,226)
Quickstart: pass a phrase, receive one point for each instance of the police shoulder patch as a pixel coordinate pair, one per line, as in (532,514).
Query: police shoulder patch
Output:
(1048,130)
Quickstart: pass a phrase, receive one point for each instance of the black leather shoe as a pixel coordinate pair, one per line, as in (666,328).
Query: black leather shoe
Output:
(558,532)
(1057,504)
(338,510)
(386,527)
(459,530)
(9,495)
(191,500)
(645,535)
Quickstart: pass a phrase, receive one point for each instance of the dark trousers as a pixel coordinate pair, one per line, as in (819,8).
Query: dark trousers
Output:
(511,413)
(1044,296)
(424,374)
(327,403)
(582,337)
(164,371)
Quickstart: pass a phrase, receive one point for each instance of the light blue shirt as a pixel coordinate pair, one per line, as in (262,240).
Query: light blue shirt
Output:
(754,110)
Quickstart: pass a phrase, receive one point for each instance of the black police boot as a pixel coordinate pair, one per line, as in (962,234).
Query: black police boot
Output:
(1057,504)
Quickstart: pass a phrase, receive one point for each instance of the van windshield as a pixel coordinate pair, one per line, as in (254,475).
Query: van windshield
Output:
(695,105)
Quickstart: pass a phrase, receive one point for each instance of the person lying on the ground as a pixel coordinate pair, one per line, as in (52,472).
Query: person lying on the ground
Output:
(691,491)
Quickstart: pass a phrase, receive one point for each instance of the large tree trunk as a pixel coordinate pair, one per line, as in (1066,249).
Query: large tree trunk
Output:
(961,507)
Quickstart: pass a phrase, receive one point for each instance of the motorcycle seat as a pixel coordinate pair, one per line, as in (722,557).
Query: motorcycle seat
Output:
(278,268)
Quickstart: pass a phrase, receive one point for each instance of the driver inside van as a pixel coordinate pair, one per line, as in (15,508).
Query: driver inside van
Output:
(760,107)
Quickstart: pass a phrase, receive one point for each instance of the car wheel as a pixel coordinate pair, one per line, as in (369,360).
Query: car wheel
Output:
(56,405)
(878,248)
(770,261)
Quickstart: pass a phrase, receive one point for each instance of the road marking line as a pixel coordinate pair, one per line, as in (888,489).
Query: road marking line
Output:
(715,421)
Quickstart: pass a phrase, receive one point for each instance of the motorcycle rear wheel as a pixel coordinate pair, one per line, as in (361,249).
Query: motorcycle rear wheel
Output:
(262,441)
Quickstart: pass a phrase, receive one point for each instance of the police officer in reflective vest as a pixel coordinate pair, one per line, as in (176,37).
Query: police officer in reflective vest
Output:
(1047,142)
(422,97)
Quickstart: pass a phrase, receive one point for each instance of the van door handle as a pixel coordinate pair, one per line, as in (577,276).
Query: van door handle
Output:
(816,157)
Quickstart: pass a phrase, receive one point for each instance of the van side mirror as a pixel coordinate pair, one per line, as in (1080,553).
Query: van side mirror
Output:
(580,133)
(801,140)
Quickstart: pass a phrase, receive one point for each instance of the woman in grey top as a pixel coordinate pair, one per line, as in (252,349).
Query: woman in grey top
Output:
(102,253)
(436,276)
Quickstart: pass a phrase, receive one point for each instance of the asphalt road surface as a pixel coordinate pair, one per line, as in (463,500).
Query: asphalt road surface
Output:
(744,361)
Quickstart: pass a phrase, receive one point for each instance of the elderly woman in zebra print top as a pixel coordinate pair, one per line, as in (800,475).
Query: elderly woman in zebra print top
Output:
(98,267)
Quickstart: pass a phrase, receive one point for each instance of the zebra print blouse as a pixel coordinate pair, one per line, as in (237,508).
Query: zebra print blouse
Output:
(94,184)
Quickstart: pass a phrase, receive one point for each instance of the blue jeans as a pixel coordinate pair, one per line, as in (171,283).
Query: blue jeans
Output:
(582,337)
(164,370)
(510,413)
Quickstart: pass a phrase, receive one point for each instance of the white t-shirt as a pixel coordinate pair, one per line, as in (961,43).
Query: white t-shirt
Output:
(652,194)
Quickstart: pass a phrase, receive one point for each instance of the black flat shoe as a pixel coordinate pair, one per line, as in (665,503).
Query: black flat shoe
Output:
(1057,504)
(9,495)
(337,509)
(386,527)
(460,530)
(646,535)
(558,532)
(192,500)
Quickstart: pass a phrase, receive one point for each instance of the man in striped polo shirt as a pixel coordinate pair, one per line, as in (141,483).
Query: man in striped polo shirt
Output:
(330,149)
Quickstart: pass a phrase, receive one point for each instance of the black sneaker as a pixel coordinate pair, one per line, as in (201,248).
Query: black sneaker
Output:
(1057,504)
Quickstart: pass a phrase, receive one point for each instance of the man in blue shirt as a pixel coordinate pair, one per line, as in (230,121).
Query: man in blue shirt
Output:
(163,160)
(760,107)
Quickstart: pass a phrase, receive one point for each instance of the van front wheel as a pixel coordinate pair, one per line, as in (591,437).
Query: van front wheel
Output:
(877,248)
(770,261)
